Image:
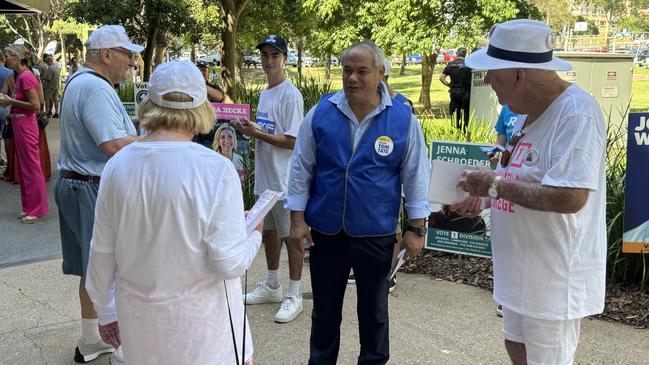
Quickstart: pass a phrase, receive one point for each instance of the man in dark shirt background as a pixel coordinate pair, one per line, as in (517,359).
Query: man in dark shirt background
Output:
(459,89)
(214,94)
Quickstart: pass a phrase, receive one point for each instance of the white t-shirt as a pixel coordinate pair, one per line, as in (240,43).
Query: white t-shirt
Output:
(170,215)
(550,265)
(280,111)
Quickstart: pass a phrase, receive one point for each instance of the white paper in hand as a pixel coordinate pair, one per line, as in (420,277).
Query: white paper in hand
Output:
(262,206)
(444,177)
(400,261)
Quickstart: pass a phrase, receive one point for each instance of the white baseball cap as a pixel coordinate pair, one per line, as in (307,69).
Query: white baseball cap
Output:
(520,43)
(111,36)
(177,76)
(387,66)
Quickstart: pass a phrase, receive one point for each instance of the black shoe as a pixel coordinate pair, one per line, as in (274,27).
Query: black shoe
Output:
(393,284)
(56,115)
(499,310)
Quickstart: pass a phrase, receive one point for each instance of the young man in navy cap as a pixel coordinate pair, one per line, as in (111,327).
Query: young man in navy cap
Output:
(279,115)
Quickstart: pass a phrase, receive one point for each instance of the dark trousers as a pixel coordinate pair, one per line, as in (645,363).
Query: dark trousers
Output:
(458,108)
(331,259)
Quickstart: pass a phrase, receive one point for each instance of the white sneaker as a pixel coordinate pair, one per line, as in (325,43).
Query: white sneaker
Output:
(291,307)
(116,360)
(87,352)
(264,294)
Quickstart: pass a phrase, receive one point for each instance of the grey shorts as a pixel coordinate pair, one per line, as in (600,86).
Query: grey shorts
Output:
(278,219)
(76,201)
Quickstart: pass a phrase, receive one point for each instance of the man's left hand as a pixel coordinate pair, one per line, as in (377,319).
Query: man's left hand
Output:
(413,244)
(477,182)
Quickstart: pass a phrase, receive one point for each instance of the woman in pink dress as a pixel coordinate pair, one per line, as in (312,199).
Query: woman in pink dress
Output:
(24,106)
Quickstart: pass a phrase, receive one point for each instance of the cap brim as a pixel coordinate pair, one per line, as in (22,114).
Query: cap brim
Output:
(133,47)
(261,45)
(480,60)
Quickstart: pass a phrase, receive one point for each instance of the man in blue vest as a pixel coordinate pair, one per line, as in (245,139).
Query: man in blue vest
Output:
(346,205)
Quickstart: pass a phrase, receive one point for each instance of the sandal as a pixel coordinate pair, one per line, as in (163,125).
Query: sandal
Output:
(31,219)
(21,215)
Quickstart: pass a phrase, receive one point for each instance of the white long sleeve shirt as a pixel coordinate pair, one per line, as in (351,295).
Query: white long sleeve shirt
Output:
(169,235)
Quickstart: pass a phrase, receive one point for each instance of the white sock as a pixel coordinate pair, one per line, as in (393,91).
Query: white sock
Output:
(89,330)
(294,287)
(272,279)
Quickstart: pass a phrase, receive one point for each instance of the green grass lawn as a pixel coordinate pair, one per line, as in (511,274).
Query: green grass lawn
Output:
(410,85)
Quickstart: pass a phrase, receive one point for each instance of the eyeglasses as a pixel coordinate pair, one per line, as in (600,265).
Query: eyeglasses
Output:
(513,141)
(129,54)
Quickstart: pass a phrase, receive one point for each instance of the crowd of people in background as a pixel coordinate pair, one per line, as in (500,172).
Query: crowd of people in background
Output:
(153,223)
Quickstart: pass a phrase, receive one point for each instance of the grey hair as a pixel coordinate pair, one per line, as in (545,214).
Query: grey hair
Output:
(93,54)
(367,45)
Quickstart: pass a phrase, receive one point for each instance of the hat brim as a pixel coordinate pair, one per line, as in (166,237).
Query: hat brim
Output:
(480,60)
(261,45)
(133,47)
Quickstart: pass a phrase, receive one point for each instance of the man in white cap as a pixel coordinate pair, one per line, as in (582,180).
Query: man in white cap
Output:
(94,126)
(547,197)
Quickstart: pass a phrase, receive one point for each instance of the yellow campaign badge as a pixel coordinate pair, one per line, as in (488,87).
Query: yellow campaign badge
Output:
(383,146)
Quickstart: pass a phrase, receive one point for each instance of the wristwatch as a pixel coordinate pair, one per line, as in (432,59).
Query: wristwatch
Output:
(493,188)
(420,231)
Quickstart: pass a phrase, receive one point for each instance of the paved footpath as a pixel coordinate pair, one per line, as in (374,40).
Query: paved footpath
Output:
(431,321)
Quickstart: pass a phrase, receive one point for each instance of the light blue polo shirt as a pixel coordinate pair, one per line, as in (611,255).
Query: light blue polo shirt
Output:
(91,114)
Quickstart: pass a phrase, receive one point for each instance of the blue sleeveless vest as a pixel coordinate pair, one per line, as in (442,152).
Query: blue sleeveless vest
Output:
(357,191)
(402,99)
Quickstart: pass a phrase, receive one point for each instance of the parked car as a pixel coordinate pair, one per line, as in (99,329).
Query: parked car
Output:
(211,59)
(640,58)
(291,60)
(251,60)
(308,61)
(414,59)
(446,56)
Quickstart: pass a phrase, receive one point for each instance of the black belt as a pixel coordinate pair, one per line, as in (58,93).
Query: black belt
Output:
(76,176)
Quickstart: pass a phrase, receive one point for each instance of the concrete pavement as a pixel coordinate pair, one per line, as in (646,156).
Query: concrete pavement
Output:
(432,321)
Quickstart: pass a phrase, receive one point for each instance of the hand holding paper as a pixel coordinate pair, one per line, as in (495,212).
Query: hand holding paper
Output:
(262,206)
(397,265)
(444,179)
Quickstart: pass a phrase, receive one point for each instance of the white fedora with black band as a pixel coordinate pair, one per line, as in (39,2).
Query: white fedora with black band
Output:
(520,43)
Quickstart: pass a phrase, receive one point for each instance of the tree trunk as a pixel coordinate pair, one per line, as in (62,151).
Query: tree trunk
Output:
(159,54)
(151,42)
(300,46)
(64,69)
(230,12)
(402,70)
(328,67)
(427,67)
(193,52)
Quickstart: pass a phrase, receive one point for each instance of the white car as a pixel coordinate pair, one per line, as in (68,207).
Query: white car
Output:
(308,61)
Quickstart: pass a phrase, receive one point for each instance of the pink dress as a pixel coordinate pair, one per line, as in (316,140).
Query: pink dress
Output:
(26,134)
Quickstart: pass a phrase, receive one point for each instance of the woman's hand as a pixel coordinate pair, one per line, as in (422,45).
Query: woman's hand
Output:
(5,100)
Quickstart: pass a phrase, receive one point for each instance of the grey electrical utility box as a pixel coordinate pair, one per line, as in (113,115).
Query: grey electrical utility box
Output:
(606,76)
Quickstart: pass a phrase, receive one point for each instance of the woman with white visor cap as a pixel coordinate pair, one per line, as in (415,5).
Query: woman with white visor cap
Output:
(170,241)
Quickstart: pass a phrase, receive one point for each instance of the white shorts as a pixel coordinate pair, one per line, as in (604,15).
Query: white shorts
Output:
(546,341)
(278,219)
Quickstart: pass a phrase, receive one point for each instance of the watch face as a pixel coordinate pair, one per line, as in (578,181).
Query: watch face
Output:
(421,231)
(493,193)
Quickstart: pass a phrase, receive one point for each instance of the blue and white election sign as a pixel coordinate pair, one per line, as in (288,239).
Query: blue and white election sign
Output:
(636,199)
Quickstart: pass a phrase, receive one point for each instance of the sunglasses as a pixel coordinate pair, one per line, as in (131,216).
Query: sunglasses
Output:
(507,154)
(129,54)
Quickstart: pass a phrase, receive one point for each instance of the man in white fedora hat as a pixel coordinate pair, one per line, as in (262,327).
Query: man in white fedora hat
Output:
(547,197)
